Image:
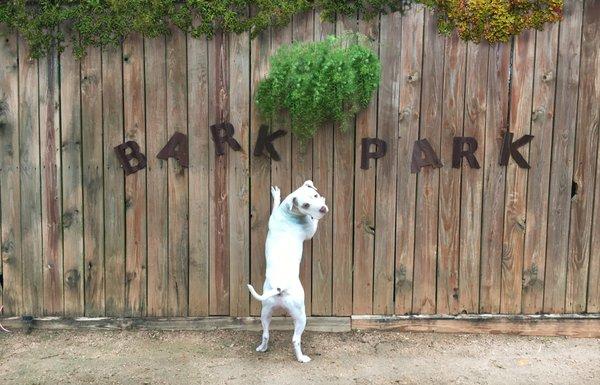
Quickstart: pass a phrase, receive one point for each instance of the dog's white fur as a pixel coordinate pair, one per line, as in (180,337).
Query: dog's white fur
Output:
(291,223)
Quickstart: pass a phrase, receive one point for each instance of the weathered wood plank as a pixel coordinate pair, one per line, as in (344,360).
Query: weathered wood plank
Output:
(93,187)
(31,206)
(177,175)
(239,182)
(472,179)
(10,182)
(524,326)
(387,111)
(281,171)
(302,170)
(426,227)
(408,131)
(494,178)
(544,84)
(135,184)
(72,182)
(341,200)
(516,177)
(586,153)
(453,101)
(561,170)
(326,271)
(114,181)
(157,215)
(590,27)
(219,214)
(314,324)
(363,202)
(198,174)
(260,170)
(50,154)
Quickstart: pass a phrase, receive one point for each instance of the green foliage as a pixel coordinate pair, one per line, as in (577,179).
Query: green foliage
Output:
(326,81)
(105,22)
(494,20)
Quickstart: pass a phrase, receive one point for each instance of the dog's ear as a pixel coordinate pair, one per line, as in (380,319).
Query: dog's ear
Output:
(294,202)
(309,183)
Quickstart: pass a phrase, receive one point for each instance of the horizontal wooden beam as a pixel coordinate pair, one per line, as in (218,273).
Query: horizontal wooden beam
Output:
(569,325)
(317,324)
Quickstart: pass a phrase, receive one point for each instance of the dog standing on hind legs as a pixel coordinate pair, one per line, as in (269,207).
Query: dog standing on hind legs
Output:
(292,222)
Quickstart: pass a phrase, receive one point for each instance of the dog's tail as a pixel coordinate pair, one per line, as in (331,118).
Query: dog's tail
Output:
(266,294)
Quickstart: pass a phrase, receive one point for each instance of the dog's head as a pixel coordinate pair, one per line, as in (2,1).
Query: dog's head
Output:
(308,201)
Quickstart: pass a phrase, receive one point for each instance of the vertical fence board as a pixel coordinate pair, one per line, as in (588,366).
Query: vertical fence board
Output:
(450,178)
(586,152)
(157,215)
(260,169)
(516,177)
(114,181)
(544,83)
(72,182)
(364,205)
(10,183)
(219,215)
(408,131)
(135,184)
(591,30)
(494,178)
(29,146)
(239,237)
(472,179)
(324,152)
(50,154)
(387,122)
(426,228)
(281,171)
(561,171)
(93,186)
(198,174)
(177,175)
(302,170)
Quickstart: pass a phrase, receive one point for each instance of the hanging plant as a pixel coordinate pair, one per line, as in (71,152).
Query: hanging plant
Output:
(325,81)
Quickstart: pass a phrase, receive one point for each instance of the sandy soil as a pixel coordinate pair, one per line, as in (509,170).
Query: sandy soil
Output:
(227,357)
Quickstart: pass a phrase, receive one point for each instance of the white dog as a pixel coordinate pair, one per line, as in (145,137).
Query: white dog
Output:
(291,223)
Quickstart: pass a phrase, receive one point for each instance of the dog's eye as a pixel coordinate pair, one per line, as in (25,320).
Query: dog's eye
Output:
(316,195)
(306,205)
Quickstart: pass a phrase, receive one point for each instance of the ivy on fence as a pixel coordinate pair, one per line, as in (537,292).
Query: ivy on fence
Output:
(105,22)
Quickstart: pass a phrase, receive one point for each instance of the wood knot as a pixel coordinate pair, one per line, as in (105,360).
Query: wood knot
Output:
(73,278)
(548,76)
(413,77)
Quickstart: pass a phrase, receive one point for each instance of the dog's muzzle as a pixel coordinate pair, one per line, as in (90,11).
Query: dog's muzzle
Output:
(323,210)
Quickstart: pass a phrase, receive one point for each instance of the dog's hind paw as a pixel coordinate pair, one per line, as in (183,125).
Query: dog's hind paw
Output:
(262,347)
(304,359)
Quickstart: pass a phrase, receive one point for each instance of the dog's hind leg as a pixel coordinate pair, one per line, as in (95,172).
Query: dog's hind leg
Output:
(299,316)
(265,318)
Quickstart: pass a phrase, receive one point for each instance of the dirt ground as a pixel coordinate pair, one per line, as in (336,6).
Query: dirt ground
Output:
(228,357)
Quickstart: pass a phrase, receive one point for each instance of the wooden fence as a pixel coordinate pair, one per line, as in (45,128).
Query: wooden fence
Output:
(79,238)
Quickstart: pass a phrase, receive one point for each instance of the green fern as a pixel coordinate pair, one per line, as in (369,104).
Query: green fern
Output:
(326,81)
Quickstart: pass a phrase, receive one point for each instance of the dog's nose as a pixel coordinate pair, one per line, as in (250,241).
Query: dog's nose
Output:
(323,209)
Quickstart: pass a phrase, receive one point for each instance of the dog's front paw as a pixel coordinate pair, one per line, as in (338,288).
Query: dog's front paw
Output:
(275,192)
(304,359)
